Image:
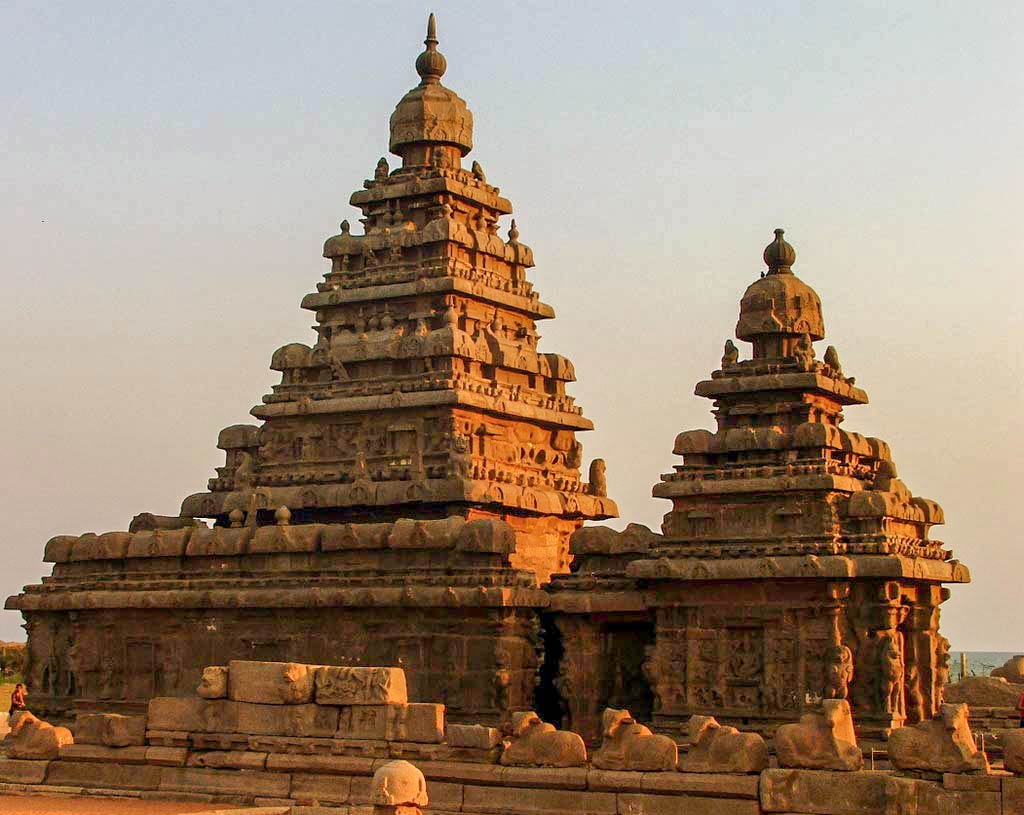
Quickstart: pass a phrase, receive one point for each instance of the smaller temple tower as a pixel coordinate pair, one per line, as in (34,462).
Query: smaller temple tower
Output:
(794,565)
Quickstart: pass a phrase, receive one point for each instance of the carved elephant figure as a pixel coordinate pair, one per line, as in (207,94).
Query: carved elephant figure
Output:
(534,743)
(715,748)
(629,745)
(944,744)
(820,741)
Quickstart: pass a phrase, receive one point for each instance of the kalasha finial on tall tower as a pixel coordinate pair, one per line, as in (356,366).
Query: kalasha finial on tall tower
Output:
(431,118)
(779,255)
(431,64)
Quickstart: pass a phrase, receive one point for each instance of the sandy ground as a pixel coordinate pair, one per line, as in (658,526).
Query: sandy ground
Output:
(67,805)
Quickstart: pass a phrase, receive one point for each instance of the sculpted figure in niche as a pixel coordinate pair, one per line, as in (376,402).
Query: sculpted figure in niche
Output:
(804,352)
(913,695)
(832,360)
(942,672)
(890,671)
(731,355)
(501,683)
(598,479)
(839,672)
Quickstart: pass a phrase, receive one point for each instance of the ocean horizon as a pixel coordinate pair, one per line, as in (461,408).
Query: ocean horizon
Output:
(979,663)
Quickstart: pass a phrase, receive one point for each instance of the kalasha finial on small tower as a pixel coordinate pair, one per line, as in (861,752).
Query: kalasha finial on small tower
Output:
(779,256)
(431,64)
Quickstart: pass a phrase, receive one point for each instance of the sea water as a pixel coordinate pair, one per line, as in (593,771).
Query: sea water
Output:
(979,663)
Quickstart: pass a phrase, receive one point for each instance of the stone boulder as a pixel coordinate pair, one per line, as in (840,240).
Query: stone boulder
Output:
(214,684)
(721,749)
(1013,751)
(983,691)
(33,738)
(1012,670)
(534,743)
(944,744)
(270,683)
(628,745)
(110,729)
(821,741)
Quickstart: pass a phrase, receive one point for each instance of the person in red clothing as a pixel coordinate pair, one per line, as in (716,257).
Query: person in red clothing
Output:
(18,698)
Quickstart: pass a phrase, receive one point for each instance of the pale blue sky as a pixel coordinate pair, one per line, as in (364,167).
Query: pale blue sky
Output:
(170,171)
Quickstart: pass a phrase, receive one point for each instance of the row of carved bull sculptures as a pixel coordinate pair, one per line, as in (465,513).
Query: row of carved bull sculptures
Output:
(820,740)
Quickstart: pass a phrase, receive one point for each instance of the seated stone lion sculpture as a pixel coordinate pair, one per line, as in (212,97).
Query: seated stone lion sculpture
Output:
(944,744)
(628,745)
(534,743)
(820,741)
(33,738)
(715,748)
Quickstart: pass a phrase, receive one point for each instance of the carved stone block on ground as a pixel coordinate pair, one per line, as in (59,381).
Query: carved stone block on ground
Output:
(337,685)
(33,738)
(1013,752)
(412,722)
(110,729)
(306,721)
(474,736)
(271,683)
(214,684)
(628,745)
(820,741)
(944,744)
(721,749)
(534,743)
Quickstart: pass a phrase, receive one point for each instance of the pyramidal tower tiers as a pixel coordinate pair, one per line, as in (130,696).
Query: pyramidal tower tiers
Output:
(794,565)
(415,477)
(425,393)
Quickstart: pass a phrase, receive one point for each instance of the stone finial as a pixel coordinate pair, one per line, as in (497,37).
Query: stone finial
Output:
(779,256)
(399,783)
(236,517)
(431,64)
(283,516)
(513,232)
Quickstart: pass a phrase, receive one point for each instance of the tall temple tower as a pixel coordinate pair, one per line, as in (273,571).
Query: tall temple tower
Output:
(425,394)
(793,566)
(415,478)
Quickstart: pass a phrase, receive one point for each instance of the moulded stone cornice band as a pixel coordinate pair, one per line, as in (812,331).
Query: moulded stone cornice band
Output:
(480,193)
(808,380)
(312,597)
(403,399)
(525,305)
(825,566)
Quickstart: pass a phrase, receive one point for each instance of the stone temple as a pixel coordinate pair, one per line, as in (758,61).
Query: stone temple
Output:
(415,475)
(413,498)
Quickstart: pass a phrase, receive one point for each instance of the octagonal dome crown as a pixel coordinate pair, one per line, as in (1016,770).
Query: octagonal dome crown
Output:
(780,303)
(431,114)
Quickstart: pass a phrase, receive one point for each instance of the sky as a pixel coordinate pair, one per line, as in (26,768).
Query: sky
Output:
(170,170)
